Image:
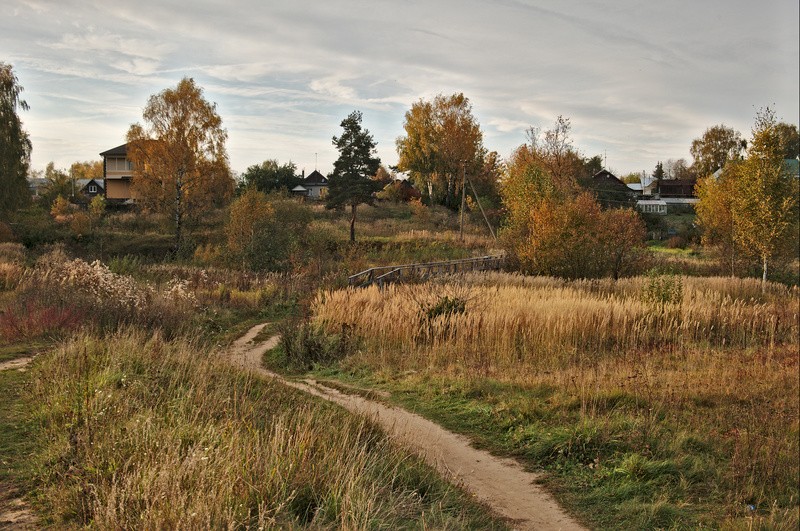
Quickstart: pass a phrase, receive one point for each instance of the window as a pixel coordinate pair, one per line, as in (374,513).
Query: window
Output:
(92,188)
(118,164)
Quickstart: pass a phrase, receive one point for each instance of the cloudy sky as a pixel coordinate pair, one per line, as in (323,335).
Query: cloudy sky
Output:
(639,80)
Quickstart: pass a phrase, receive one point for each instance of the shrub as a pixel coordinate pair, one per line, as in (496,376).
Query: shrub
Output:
(575,238)
(30,320)
(111,299)
(677,242)
(6,234)
(663,291)
(307,344)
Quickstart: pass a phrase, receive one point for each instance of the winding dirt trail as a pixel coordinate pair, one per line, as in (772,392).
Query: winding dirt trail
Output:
(500,483)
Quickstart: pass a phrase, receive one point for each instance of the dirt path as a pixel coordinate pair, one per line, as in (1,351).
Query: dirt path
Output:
(19,364)
(14,512)
(500,483)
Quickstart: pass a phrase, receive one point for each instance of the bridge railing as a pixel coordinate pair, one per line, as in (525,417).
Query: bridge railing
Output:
(396,273)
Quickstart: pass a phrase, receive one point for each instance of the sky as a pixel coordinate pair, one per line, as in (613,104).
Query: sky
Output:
(638,80)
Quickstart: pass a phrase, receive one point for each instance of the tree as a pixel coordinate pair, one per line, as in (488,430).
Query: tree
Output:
(752,207)
(677,169)
(789,140)
(246,224)
(58,184)
(632,178)
(658,173)
(15,145)
(350,182)
(576,238)
(553,149)
(715,211)
(765,204)
(718,145)
(271,175)
(180,166)
(442,140)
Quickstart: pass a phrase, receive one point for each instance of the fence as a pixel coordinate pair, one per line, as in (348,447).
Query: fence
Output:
(398,273)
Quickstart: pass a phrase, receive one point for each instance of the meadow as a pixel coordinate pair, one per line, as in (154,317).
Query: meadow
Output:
(653,402)
(130,416)
(659,401)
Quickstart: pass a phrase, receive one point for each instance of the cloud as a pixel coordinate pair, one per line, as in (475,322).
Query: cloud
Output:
(92,41)
(638,80)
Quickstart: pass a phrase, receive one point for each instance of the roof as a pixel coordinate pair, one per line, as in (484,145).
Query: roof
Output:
(636,187)
(83,182)
(315,177)
(605,174)
(299,188)
(119,151)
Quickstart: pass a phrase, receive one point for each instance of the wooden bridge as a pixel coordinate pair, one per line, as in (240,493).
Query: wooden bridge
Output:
(398,273)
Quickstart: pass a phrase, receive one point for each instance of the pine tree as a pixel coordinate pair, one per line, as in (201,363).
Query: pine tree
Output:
(350,183)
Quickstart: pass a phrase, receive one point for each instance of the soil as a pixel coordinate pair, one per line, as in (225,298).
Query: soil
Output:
(501,484)
(18,363)
(14,512)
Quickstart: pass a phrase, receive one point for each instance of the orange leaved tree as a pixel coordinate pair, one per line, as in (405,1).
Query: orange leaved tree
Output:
(180,166)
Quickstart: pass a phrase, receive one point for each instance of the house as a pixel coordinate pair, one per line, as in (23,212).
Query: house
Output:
(676,188)
(316,185)
(90,187)
(117,173)
(37,186)
(645,188)
(300,191)
(610,190)
(652,206)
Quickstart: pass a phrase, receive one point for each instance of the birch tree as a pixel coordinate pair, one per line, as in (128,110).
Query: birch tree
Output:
(180,166)
(765,202)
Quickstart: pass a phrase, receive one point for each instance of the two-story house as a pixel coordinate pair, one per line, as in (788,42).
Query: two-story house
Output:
(117,173)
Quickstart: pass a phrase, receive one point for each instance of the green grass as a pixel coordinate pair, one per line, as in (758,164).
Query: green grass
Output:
(20,349)
(17,429)
(618,470)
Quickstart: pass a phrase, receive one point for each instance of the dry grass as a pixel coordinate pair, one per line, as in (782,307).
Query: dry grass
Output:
(705,380)
(139,433)
(519,323)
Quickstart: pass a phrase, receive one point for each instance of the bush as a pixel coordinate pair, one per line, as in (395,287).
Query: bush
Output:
(575,238)
(306,344)
(110,299)
(677,242)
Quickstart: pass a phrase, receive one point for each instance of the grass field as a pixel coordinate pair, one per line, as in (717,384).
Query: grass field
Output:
(131,418)
(652,401)
(137,432)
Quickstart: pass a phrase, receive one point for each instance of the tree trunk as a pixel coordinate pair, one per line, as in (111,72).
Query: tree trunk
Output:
(178,213)
(463,201)
(733,261)
(764,277)
(353,223)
